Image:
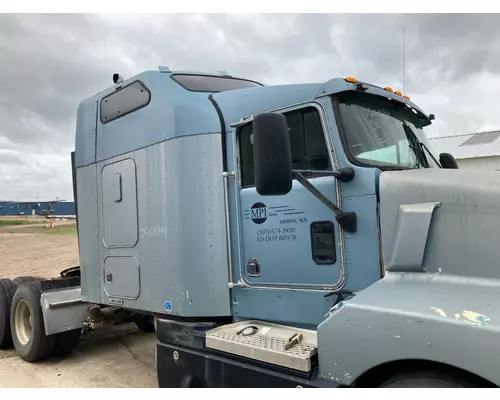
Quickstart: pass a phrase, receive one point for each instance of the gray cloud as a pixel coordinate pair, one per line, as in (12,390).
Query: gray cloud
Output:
(49,63)
(9,158)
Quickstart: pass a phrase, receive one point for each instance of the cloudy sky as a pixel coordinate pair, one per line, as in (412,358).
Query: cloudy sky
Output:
(48,63)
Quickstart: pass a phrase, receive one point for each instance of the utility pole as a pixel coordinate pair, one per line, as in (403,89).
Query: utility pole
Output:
(404,92)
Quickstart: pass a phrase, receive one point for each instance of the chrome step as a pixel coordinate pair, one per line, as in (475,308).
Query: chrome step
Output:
(275,344)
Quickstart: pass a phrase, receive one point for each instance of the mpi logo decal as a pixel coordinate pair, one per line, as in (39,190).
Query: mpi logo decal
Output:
(259,213)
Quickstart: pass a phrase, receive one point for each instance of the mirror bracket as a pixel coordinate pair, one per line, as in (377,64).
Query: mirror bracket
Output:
(342,174)
(346,219)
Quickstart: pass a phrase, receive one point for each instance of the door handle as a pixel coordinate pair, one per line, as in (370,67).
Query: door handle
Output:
(117,186)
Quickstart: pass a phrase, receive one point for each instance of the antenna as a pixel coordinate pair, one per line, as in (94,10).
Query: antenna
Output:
(404,92)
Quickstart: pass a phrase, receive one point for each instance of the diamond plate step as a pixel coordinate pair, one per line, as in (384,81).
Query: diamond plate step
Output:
(268,343)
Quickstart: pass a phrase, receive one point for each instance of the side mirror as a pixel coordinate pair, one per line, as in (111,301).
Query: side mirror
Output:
(448,161)
(272,154)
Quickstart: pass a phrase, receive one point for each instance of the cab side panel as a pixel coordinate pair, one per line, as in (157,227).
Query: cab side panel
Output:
(88,232)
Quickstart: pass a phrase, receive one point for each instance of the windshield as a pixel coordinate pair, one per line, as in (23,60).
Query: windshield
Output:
(382,132)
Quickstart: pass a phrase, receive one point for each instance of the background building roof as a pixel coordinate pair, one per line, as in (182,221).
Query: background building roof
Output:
(472,145)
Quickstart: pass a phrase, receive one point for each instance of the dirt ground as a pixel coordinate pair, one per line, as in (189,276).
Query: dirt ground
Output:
(31,250)
(125,357)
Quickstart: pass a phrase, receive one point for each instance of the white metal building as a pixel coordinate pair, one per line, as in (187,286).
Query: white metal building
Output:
(472,151)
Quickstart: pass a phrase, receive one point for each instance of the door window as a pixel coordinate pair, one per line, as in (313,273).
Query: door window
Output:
(307,140)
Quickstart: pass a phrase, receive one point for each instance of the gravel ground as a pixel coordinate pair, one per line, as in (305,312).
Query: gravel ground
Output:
(124,357)
(30,250)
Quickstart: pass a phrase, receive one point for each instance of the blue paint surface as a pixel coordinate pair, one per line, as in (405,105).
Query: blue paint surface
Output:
(172,112)
(282,242)
(85,138)
(298,308)
(291,287)
(242,103)
(288,264)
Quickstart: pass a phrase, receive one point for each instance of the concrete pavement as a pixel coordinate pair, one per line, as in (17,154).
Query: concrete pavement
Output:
(124,358)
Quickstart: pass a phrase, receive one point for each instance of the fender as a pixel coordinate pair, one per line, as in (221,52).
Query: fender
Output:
(418,316)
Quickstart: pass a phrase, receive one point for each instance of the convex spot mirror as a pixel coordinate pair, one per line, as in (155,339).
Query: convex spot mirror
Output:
(448,161)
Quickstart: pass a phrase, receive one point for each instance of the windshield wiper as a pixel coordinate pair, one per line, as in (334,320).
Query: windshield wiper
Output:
(416,146)
(432,156)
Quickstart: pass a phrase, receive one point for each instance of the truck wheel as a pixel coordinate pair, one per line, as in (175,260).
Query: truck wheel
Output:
(424,379)
(66,342)
(26,322)
(22,279)
(7,290)
(145,323)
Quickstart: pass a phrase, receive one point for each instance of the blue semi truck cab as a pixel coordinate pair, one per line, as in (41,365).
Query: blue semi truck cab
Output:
(300,235)
(287,235)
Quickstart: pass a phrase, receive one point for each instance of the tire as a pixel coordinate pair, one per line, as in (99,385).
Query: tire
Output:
(22,279)
(66,342)
(145,323)
(425,379)
(30,340)
(7,290)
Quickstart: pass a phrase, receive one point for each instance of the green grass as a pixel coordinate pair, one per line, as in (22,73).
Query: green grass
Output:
(39,225)
(61,230)
(12,222)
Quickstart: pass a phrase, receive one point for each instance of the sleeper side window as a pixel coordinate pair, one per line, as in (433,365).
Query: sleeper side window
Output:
(307,140)
(128,99)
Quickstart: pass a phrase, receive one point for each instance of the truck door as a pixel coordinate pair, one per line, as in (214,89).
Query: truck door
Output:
(292,240)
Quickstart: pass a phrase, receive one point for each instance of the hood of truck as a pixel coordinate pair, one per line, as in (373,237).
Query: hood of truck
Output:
(443,221)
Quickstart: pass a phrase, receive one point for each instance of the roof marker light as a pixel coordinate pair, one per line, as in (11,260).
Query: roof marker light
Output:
(398,93)
(406,97)
(389,89)
(351,79)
